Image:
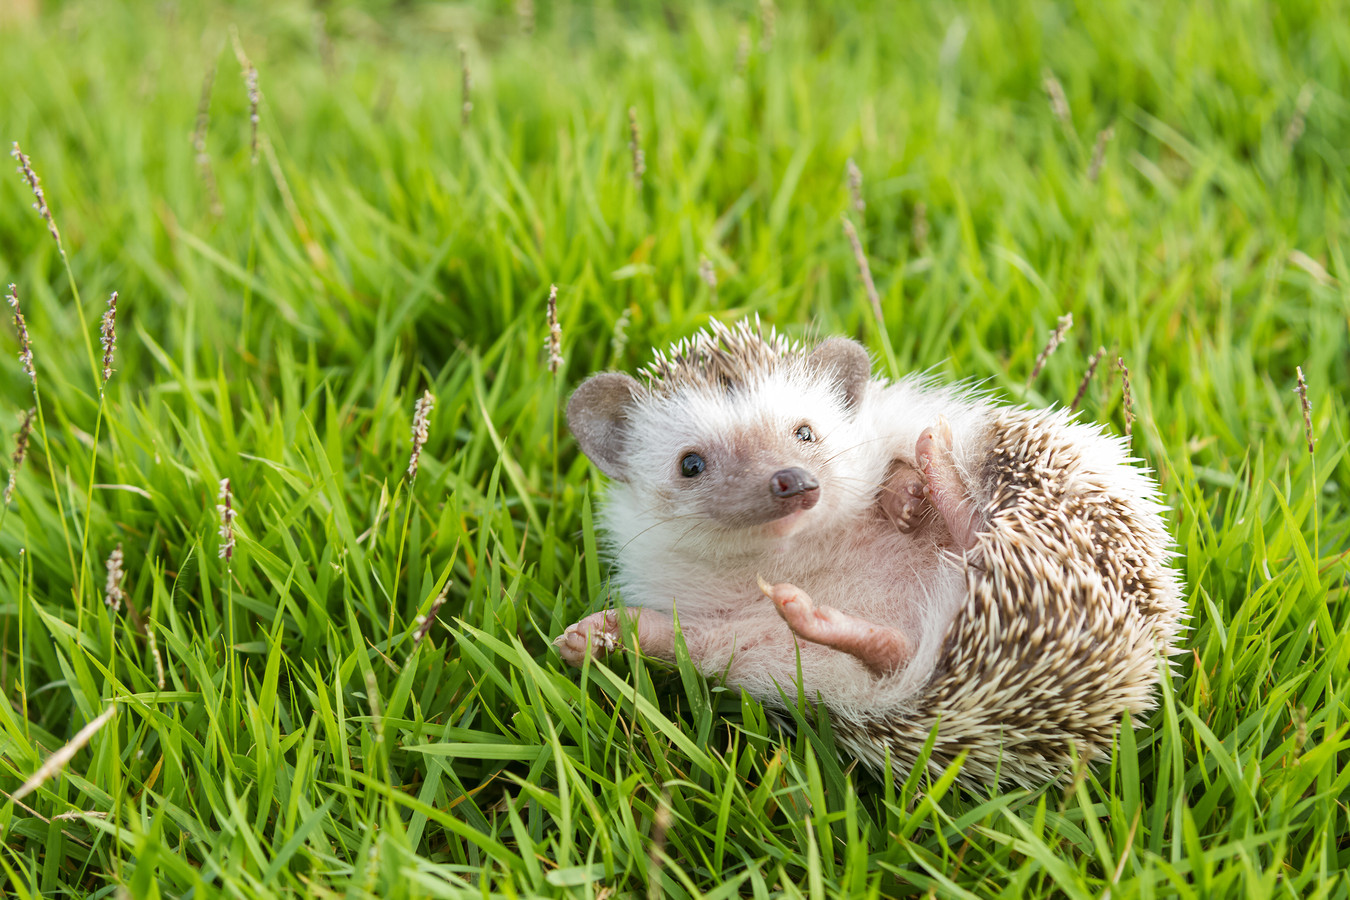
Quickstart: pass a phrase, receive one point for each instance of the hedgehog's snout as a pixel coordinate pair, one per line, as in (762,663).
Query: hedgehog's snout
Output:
(797,485)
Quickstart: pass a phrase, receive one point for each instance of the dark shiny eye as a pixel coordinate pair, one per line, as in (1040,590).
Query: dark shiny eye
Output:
(691,465)
(805,433)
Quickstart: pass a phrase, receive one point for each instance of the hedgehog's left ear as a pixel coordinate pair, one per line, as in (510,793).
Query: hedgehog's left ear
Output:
(844,362)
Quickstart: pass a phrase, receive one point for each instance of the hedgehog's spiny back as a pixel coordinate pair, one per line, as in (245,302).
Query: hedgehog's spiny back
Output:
(727,358)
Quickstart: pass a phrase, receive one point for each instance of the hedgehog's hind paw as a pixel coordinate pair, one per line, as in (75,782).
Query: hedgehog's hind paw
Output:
(944,488)
(880,648)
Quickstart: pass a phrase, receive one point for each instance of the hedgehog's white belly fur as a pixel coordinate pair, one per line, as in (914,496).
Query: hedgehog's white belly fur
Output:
(733,629)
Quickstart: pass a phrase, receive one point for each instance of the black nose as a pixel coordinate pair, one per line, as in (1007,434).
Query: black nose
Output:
(792,482)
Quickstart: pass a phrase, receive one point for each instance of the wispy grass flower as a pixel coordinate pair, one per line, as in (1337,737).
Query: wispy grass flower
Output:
(420,430)
(708,274)
(39,199)
(465,87)
(424,623)
(555,359)
(1056,338)
(21,326)
(254,93)
(635,147)
(1087,377)
(768,25)
(743,50)
(1099,152)
(201,156)
(855,181)
(1294,132)
(225,507)
(20,452)
(254,98)
(864,270)
(1127,400)
(154,654)
(919,229)
(619,342)
(1302,391)
(57,762)
(108,337)
(1059,104)
(112,591)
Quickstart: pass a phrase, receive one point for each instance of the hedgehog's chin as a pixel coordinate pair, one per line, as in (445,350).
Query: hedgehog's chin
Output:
(784,526)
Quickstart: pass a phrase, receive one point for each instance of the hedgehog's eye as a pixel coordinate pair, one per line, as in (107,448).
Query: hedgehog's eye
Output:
(804,433)
(692,465)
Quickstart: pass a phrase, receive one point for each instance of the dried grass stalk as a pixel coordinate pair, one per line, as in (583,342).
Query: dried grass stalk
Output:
(57,762)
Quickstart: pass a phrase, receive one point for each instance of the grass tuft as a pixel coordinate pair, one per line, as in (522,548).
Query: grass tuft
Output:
(345,685)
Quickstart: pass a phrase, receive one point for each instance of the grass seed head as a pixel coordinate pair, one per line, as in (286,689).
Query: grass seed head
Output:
(154,654)
(1056,338)
(1294,132)
(225,507)
(108,337)
(743,50)
(1099,152)
(20,452)
(254,98)
(635,147)
(920,226)
(1126,398)
(1059,104)
(619,342)
(201,156)
(768,24)
(420,430)
(1302,391)
(1087,377)
(555,359)
(424,623)
(56,763)
(707,273)
(21,327)
(465,86)
(864,270)
(39,199)
(112,591)
(855,179)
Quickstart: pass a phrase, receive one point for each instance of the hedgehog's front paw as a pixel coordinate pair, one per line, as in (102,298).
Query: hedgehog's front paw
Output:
(903,498)
(596,635)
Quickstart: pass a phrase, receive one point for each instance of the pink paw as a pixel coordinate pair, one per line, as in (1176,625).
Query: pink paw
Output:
(596,635)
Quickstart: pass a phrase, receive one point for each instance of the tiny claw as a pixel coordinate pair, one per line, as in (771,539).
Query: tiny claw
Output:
(764,586)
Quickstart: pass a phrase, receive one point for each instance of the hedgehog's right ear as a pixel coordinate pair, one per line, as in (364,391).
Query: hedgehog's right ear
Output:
(846,363)
(598,416)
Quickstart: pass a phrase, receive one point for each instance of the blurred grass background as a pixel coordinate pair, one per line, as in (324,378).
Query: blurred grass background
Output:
(278,319)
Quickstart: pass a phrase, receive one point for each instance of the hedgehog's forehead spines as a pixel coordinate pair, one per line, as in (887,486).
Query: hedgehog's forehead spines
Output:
(724,357)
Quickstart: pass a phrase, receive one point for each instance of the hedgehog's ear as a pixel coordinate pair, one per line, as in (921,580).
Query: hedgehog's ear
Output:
(598,416)
(846,363)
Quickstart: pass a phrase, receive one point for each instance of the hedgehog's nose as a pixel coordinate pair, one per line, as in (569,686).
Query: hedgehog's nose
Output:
(793,482)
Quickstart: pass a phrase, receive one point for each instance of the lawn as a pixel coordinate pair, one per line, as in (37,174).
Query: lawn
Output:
(346,686)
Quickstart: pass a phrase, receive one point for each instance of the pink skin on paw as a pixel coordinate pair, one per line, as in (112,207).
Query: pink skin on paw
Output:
(945,490)
(881,649)
(902,498)
(600,634)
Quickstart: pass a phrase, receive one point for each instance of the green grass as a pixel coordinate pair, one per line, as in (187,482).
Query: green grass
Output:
(380,248)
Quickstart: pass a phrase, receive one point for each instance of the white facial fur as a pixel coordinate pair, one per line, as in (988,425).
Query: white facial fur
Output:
(744,437)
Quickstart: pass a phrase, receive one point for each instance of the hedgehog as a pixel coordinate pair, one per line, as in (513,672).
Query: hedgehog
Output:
(918,559)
